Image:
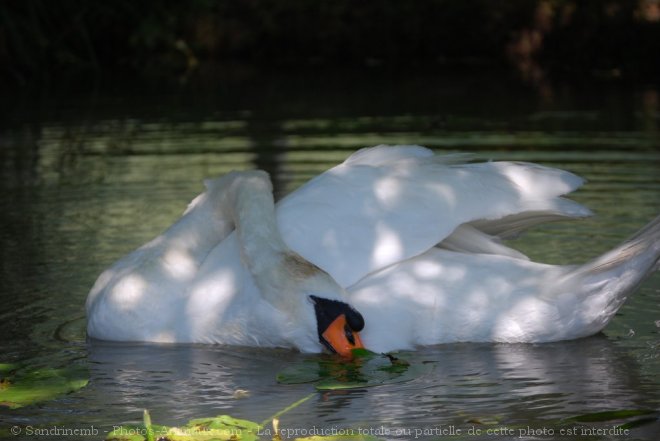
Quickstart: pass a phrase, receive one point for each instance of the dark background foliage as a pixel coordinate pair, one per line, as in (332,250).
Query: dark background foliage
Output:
(44,38)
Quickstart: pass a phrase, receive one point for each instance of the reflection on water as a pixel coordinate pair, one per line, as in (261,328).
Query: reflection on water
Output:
(471,384)
(84,182)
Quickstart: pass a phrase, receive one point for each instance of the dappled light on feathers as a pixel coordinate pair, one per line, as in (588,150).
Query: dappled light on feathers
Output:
(409,240)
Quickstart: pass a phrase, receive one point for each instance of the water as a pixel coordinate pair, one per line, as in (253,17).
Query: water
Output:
(89,175)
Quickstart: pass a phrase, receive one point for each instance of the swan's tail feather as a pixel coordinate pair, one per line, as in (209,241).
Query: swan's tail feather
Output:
(588,296)
(612,277)
(641,252)
(651,230)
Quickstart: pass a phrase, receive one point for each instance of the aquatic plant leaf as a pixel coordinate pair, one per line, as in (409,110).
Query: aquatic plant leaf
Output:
(7,368)
(610,415)
(22,386)
(366,370)
(147,425)
(220,428)
(362,353)
(225,424)
(339,438)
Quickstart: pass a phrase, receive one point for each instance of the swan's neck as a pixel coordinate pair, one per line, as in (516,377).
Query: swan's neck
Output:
(253,210)
(275,267)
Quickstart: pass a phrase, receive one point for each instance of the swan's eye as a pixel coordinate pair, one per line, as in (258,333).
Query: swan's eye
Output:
(355,320)
(349,334)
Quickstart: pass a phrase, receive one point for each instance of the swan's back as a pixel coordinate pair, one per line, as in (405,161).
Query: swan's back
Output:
(387,204)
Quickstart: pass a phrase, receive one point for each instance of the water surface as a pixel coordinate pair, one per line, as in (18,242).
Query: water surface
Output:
(87,177)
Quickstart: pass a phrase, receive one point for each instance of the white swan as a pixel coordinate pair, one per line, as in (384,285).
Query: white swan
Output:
(261,293)
(409,239)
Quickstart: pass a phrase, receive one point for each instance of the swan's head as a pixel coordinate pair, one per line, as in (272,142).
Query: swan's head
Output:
(325,318)
(338,325)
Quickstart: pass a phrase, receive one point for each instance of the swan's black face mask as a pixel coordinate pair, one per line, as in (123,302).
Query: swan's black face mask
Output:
(338,325)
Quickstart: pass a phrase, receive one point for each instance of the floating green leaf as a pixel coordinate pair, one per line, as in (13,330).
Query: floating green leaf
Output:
(366,369)
(340,438)
(223,422)
(362,353)
(576,424)
(610,415)
(219,428)
(21,386)
(7,368)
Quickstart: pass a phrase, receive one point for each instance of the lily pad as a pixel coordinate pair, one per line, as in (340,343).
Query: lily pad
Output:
(340,438)
(222,427)
(366,369)
(224,423)
(21,386)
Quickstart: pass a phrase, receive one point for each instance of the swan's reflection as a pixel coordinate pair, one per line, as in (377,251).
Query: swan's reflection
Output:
(180,382)
(507,384)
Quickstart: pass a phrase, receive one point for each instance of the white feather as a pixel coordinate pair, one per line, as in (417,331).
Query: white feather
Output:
(414,239)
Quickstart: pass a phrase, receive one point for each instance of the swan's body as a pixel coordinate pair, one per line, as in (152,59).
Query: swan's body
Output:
(411,239)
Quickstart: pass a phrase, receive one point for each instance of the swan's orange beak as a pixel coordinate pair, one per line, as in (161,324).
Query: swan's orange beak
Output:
(342,338)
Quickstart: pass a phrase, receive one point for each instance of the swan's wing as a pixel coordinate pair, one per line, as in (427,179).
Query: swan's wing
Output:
(387,204)
(444,297)
(484,236)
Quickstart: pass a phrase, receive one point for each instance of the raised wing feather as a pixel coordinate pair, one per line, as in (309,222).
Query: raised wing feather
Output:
(387,204)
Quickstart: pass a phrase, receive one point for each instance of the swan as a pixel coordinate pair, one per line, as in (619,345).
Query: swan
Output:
(392,249)
(179,288)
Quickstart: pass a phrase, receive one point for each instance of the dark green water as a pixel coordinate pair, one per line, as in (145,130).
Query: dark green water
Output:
(88,176)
